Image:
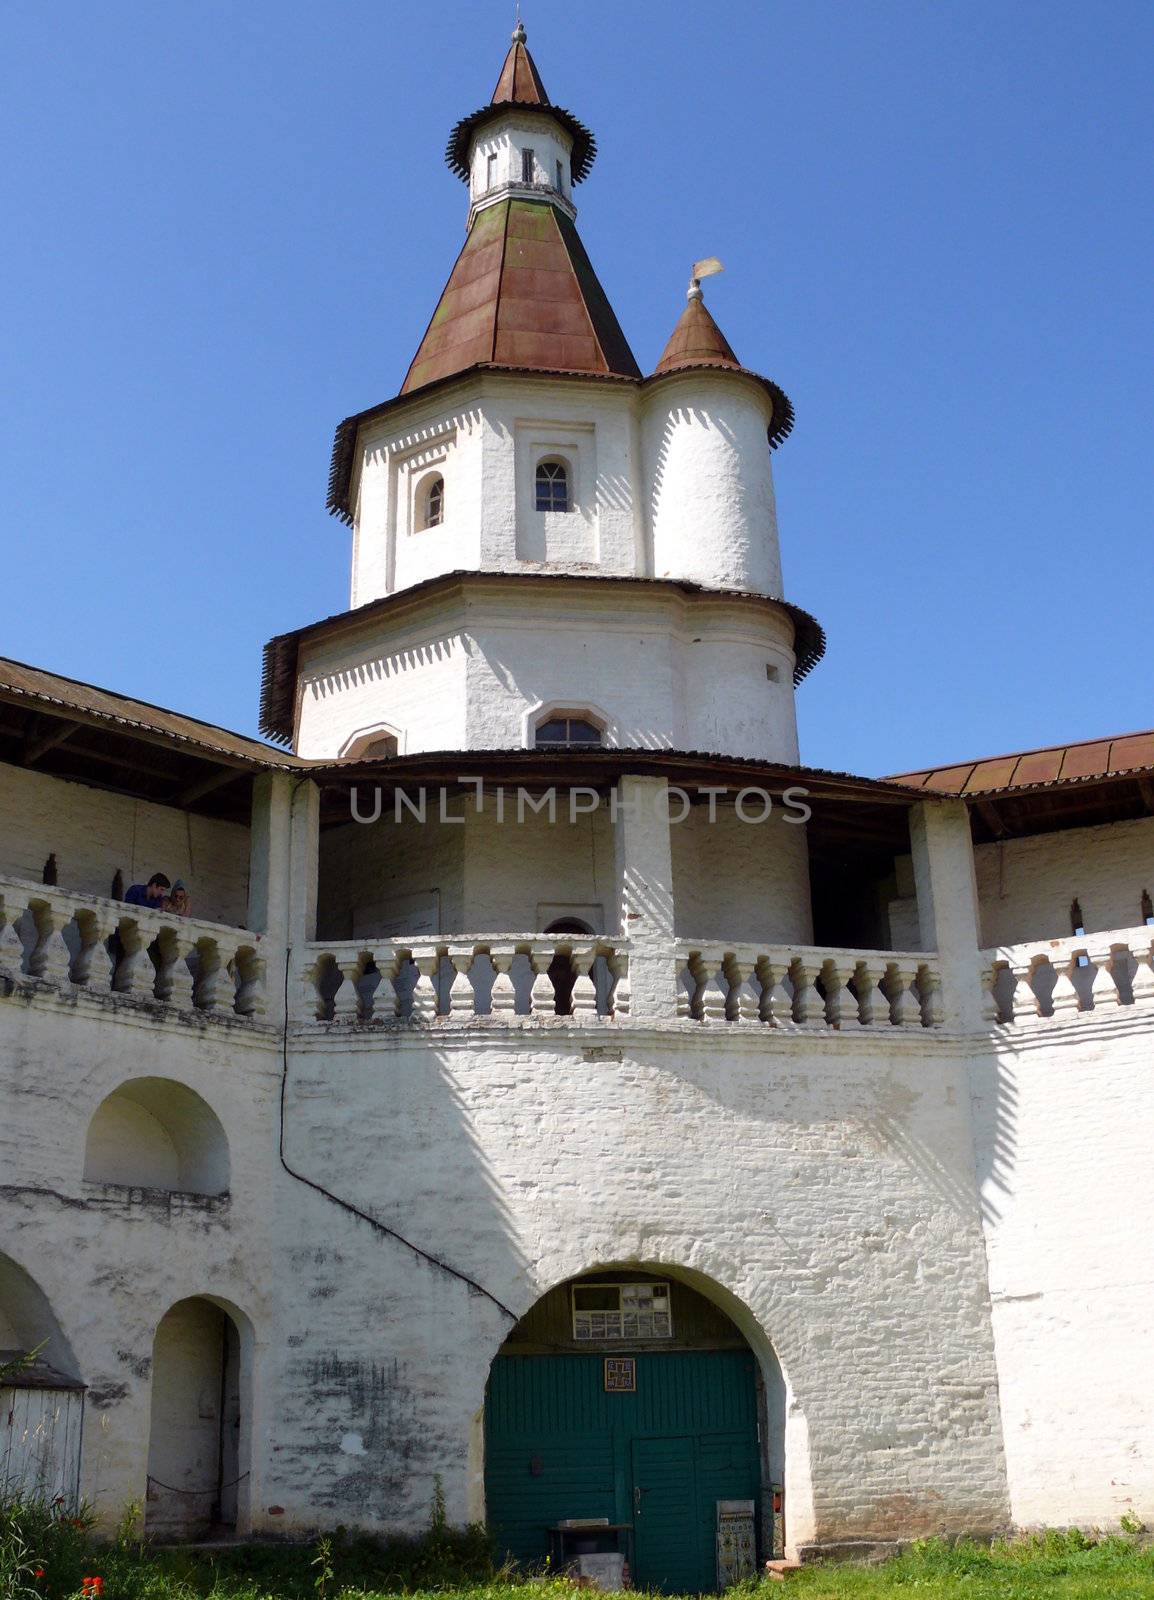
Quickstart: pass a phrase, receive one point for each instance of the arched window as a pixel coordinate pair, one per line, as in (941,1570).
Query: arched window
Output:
(431,508)
(154,1133)
(371,746)
(563,732)
(552,486)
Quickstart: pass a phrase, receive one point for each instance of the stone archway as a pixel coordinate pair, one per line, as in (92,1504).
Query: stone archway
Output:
(200,1430)
(631,1395)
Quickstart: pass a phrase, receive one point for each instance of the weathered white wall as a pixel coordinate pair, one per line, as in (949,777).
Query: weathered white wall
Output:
(94,832)
(709,482)
(741,881)
(505,139)
(1062,1118)
(476,667)
(1026,886)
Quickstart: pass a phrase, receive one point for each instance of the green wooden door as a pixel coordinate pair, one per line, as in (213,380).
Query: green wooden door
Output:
(558,1446)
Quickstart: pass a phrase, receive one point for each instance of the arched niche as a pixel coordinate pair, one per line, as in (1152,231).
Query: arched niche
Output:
(154,1133)
(27,1321)
(650,1398)
(200,1427)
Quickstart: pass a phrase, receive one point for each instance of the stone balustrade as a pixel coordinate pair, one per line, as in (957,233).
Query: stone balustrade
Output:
(1058,978)
(795,986)
(104,947)
(505,976)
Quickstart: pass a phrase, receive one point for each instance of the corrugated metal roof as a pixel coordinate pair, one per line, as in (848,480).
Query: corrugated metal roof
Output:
(696,340)
(1022,769)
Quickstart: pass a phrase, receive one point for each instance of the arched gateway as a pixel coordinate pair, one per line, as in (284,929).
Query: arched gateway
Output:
(627,1399)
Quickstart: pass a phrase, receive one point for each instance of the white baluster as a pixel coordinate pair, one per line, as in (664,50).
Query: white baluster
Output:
(504,997)
(347,999)
(905,1004)
(776,999)
(1064,997)
(873,1004)
(584,1002)
(135,974)
(176,982)
(252,993)
(930,989)
(619,993)
(990,1009)
(312,998)
(744,1000)
(424,1008)
(51,959)
(542,999)
(713,995)
(11,944)
(687,987)
(841,1004)
(1105,988)
(1142,983)
(215,990)
(385,1001)
(808,1008)
(462,1000)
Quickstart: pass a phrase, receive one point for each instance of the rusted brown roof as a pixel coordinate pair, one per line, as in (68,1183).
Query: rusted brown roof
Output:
(519,85)
(279,679)
(519,81)
(1063,763)
(696,341)
(32,686)
(523,293)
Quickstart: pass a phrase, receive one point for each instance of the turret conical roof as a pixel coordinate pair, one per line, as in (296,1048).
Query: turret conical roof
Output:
(520,85)
(696,341)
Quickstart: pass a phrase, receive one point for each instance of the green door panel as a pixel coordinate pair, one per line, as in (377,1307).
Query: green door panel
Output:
(558,1446)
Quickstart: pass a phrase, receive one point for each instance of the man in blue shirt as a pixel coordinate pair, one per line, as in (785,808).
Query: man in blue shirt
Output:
(149,894)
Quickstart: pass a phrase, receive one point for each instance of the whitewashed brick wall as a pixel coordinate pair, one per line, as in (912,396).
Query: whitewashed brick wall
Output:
(93,833)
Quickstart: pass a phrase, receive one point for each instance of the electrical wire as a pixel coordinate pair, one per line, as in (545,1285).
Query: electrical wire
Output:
(346,1205)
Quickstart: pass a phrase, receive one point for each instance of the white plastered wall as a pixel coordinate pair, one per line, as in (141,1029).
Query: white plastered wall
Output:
(741,881)
(1026,886)
(709,481)
(93,833)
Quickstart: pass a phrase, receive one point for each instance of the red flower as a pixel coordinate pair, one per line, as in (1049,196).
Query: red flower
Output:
(39,1573)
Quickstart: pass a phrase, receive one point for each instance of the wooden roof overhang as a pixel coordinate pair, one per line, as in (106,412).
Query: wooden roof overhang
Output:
(852,817)
(278,698)
(82,734)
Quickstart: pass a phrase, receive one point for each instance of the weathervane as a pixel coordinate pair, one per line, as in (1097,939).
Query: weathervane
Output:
(702,269)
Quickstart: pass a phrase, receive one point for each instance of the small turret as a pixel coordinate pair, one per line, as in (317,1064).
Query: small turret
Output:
(709,427)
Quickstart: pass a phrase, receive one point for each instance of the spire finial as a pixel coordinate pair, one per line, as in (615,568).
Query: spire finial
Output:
(519,34)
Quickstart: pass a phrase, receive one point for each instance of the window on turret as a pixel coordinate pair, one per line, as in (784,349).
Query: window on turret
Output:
(528,166)
(491,170)
(552,486)
(432,506)
(566,733)
(560,178)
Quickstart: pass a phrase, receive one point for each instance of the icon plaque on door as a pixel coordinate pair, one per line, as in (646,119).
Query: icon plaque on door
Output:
(620,1375)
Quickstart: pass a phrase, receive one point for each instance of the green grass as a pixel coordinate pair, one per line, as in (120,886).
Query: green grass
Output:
(45,1557)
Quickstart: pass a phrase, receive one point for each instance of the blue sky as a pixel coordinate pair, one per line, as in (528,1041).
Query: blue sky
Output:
(226,226)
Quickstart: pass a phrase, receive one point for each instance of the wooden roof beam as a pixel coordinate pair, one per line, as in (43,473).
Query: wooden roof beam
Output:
(197,791)
(1146,790)
(990,815)
(36,748)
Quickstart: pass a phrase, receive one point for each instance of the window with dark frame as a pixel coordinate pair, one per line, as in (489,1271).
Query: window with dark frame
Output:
(433,510)
(552,486)
(566,733)
(528,166)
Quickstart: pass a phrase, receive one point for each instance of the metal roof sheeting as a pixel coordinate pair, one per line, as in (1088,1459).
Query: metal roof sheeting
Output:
(1063,763)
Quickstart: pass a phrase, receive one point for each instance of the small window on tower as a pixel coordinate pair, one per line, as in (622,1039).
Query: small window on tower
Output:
(431,504)
(528,166)
(560,178)
(552,486)
(491,170)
